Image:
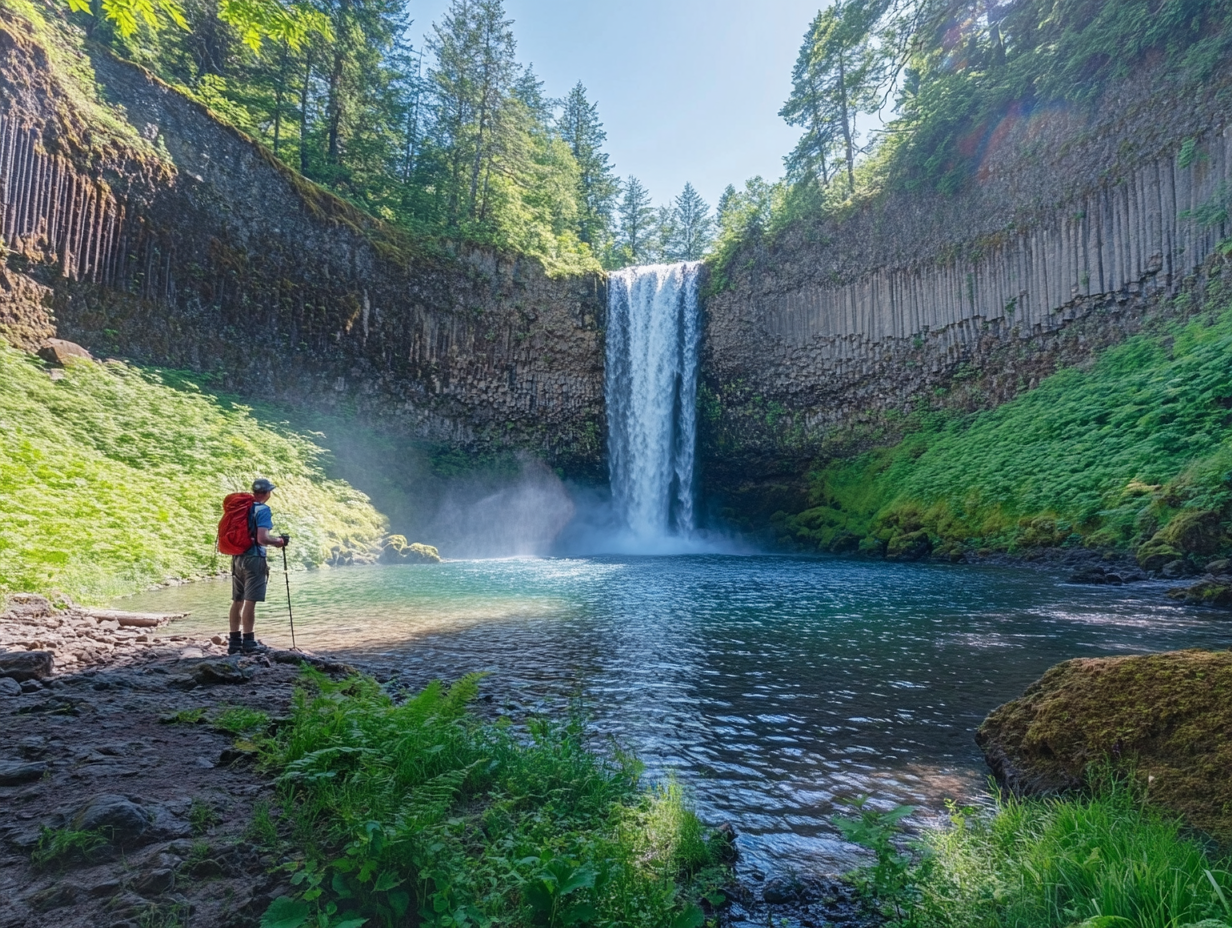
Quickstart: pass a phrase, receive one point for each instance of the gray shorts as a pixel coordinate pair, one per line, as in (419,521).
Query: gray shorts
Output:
(249,578)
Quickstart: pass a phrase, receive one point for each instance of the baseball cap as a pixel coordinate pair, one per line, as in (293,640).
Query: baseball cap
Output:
(261,485)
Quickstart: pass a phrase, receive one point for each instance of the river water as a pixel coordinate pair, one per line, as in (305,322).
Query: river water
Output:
(773,686)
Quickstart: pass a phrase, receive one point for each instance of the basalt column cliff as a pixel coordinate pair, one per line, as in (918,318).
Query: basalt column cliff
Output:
(135,223)
(1077,224)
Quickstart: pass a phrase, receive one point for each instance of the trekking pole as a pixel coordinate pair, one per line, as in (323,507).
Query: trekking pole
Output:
(287,577)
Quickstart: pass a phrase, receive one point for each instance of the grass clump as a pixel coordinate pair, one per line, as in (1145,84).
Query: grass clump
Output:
(112,478)
(422,813)
(238,720)
(202,817)
(1104,860)
(1102,455)
(63,845)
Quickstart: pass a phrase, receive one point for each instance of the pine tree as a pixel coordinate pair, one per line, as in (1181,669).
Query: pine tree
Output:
(692,227)
(637,224)
(598,186)
(474,74)
(838,76)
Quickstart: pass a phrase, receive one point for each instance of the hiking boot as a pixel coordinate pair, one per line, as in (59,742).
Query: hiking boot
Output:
(234,647)
(252,646)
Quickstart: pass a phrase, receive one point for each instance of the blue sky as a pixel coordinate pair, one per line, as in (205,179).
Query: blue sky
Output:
(688,90)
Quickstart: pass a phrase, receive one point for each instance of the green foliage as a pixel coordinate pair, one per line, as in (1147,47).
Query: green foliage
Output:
(1096,861)
(184,717)
(111,478)
(890,881)
(202,817)
(421,811)
(254,20)
(240,719)
(1103,455)
(64,845)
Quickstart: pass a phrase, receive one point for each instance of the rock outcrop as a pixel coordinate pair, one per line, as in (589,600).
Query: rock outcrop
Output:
(1076,226)
(140,226)
(1161,718)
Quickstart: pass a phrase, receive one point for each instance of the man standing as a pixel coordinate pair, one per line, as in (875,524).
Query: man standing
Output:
(250,572)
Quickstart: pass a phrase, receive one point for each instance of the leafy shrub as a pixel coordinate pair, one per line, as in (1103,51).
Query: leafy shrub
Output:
(422,811)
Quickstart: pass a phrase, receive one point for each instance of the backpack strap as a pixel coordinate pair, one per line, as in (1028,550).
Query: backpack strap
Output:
(252,525)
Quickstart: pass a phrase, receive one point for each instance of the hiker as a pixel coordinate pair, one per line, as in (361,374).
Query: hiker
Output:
(249,570)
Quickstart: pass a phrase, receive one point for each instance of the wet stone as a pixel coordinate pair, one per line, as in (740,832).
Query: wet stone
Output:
(26,665)
(9,687)
(14,774)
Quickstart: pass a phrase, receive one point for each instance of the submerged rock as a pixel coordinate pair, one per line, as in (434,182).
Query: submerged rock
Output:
(1163,718)
(1209,591)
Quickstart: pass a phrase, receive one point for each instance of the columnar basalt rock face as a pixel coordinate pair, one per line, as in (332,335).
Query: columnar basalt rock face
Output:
(189,246)
(1077,224)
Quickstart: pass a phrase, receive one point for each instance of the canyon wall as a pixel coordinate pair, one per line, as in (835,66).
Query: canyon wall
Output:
(135,223)
(1078,223)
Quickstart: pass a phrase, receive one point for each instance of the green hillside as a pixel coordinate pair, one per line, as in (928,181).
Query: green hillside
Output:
(111,479)
(1105,455)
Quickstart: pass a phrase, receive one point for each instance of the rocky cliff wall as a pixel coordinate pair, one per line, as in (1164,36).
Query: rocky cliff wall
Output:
(139,225)
(1077,223)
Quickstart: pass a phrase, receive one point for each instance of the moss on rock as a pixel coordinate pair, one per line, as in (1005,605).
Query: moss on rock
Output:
(1163,718)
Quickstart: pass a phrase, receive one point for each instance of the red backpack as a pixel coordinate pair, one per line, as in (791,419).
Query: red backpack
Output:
(236,533)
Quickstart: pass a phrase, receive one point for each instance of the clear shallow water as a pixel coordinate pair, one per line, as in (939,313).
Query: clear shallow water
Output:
(772,685)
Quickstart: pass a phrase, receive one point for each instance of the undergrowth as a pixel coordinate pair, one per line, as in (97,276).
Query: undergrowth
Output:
(421,813)
(1102,455)
(1104,860)
(112,479)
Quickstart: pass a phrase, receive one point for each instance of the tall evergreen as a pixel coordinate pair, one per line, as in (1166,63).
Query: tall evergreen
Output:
(838,77)
(692,227)
(637,228)
(598,186)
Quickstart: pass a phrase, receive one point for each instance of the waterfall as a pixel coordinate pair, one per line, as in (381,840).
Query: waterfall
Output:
(653,333)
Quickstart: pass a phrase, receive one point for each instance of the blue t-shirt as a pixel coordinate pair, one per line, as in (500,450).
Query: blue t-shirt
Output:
(262,518)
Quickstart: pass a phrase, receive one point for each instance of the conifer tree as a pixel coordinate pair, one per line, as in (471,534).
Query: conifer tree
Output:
(637,224)
(692,227)
(598,186)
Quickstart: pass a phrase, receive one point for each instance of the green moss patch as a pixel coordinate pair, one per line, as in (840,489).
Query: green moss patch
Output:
(1165,718)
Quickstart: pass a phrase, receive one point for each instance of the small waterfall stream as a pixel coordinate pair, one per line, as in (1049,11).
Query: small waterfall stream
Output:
(653,335)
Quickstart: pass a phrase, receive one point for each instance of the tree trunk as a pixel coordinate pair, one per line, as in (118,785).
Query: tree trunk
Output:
(842,100)
(303,114)
(278,91)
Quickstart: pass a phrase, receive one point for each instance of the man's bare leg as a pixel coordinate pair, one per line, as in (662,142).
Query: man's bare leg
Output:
(235,617)
(249,616)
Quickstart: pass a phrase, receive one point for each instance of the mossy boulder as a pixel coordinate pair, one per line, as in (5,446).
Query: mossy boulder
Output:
(1210,591)
(909,546)
(1192,531)
(397,550)
(1163,718)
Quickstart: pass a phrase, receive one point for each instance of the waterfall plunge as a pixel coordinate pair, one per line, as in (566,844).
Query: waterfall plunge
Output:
(653,331)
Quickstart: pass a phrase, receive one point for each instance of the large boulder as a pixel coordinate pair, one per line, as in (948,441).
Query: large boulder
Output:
(119,819)
(26,665)
(1163,718)
(60,352)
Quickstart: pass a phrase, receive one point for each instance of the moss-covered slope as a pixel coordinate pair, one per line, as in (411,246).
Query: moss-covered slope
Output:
(111,479)
(1131,451)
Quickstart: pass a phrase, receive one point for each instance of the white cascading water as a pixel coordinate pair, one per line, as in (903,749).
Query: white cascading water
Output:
(653,334)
